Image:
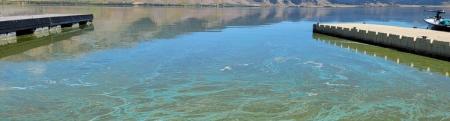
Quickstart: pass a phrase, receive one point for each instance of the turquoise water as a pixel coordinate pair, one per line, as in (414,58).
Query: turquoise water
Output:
(217,64)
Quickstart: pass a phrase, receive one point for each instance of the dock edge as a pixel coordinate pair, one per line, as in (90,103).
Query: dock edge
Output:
(422,46)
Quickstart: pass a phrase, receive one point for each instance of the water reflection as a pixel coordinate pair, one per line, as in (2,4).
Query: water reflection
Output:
(125,27)
(32,47)
(420,62)
(215,64)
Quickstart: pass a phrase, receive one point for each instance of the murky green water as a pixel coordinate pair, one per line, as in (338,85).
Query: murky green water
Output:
(138,63)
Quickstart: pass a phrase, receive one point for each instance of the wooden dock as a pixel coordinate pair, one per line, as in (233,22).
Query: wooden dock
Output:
(420,41)
(22,25)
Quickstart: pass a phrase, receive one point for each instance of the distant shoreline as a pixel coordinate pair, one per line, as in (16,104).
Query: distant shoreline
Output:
(126,4)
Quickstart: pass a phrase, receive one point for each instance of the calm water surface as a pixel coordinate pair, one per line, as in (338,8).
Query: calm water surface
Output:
(138,63)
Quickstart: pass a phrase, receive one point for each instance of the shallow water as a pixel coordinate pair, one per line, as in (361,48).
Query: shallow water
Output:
(138,63)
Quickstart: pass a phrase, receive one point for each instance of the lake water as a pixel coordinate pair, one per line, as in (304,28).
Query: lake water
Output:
(148,63)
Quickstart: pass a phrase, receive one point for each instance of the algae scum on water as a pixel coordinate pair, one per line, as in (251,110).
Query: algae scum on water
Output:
(136,63)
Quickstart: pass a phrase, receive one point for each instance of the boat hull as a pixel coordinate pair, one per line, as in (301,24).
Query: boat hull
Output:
(434,25)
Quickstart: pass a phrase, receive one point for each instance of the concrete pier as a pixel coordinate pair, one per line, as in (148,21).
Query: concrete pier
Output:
(23,25)
(420,41)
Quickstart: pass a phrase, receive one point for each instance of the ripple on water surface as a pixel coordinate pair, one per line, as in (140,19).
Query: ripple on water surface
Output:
(142,65)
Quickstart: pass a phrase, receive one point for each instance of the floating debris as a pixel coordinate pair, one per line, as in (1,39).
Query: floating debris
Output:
(315,64)
(312,94)
(331,84)
(226,68)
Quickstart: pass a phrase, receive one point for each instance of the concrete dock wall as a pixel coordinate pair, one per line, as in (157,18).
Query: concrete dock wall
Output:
(384,39)
(353,33)
(419,45)
(371,36)
(407,43)
(423,45)
(27,24)
(395,41)
(441,48)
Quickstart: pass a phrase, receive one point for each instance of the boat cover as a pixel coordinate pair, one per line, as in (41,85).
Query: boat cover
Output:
(445,22)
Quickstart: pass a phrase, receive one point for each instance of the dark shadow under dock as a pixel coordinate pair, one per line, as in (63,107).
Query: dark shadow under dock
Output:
(23,25)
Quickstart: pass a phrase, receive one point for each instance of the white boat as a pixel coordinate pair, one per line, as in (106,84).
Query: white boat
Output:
(438,22)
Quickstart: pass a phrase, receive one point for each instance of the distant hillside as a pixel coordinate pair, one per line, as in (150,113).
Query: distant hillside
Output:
(407,2)
(246,2)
